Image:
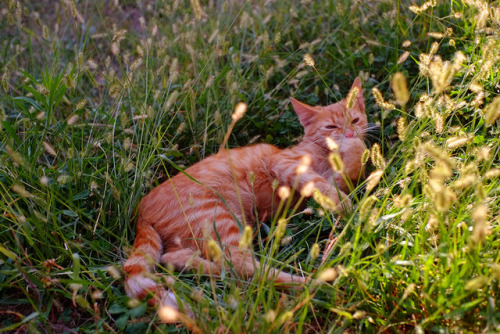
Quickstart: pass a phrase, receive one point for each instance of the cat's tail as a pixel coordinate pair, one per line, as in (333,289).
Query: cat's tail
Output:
(139,282)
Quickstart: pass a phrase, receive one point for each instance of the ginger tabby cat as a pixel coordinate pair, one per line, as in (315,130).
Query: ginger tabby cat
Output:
(178,218)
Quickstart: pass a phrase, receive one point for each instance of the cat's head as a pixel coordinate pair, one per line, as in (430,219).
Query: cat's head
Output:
(335,120)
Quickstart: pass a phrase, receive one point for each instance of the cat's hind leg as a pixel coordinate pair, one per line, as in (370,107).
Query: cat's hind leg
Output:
(188,259)
(243,262)
(139,266)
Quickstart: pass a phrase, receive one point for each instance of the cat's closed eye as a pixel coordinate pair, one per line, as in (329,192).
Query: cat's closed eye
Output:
(356,120)
(332,127)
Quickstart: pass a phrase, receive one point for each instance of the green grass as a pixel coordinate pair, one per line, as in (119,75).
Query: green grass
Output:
(86,133)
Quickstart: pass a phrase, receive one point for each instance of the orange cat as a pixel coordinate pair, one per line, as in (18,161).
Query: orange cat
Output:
(178,218)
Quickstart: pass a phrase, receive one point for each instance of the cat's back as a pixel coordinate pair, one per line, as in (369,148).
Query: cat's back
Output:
(236,162)
(219,172)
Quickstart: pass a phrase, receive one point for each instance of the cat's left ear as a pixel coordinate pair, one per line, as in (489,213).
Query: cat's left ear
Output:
(305,112)
(360,100)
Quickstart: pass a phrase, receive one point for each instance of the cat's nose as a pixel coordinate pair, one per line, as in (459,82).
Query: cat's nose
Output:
(349,133)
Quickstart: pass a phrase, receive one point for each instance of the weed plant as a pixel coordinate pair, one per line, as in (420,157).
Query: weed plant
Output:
(102,100)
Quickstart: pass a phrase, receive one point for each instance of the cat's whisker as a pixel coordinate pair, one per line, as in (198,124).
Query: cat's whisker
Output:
(370,127)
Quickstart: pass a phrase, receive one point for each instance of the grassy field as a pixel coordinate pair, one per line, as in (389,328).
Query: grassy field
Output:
(101,101)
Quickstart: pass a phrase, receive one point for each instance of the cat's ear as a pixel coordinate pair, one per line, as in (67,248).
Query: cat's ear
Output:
(305,112)
(360,100)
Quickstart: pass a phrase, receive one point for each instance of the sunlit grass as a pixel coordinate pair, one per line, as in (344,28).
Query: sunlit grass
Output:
(101,102)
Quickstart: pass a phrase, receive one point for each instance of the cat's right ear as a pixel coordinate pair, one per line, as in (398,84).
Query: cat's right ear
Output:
(305,112)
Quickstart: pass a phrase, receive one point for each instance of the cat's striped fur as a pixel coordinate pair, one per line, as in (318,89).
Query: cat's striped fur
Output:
(177,218)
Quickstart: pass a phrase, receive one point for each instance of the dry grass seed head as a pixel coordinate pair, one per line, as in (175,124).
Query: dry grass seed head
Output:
(481,226)
(314,253)
(435,153)
(49,149)
(441,196)
(423,65)
(5,79)
(419,110)
(81,104)
(16,157)
(456,142)
(214,250)
(114,90)
(91,64)
(482,153)
(172,99)
(403,57)
(377,157)
(492,111)
(239,111)
(270,316)
(373,179)
(365,156)
(307,190)
(402,201)
(174,70)
(480,191)
(44,181)
(246,238)
(434,48)
(439,123)
(281,228)
(168,314)
(42,89)
(336,162)
(436,35)
(21,190)
(45,32)
(492,173)
(402,128)
(466,180)
(432,223)
(309,60)
(331,144)
(440,172)
(350,97)
(419,9)
(327,275)
(325,202)
(284,192)
(136,64)
(478,100)
(366,206)
(305,163)
(379,99)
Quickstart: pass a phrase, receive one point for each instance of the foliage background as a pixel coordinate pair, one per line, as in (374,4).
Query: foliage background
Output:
(101,101)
